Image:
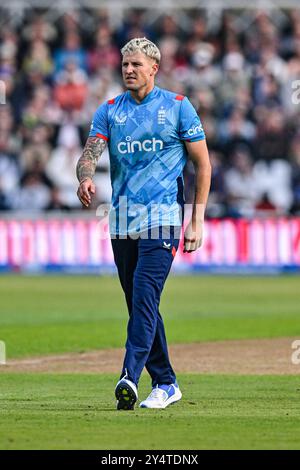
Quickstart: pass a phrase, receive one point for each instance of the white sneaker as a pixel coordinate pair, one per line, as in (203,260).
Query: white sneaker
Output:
(126,394)
(162,396)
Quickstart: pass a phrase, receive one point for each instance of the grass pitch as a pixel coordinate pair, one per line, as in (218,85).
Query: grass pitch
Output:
(44,315)
(47,315)
(216,412)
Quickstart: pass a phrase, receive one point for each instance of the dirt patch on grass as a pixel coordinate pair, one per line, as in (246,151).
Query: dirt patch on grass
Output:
(264,356)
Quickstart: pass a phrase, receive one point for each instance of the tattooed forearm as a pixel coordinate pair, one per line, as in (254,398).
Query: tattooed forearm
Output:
(86,164)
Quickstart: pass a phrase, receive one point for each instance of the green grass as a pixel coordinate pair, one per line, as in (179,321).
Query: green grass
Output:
(44,315)
(216,412)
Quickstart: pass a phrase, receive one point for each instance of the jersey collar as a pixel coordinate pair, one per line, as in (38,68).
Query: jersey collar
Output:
(147,98)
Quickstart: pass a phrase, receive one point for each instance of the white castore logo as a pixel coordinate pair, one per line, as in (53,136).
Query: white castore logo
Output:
(195,129)
(120,120)
(147,145)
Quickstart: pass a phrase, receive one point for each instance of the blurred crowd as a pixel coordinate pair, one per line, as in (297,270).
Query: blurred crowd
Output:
(239,69)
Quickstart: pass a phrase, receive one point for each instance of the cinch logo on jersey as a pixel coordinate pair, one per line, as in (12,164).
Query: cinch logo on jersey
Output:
(195,129)
(147,145)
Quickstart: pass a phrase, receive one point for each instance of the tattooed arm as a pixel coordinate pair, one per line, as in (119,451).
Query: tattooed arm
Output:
(86,167)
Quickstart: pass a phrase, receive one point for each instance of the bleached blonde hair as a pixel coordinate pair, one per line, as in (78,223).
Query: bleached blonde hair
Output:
(142,45)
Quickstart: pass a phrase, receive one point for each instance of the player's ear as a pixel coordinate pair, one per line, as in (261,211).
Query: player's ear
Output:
(154,69)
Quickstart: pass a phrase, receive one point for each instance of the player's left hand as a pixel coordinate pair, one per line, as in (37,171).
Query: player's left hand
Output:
(193,236)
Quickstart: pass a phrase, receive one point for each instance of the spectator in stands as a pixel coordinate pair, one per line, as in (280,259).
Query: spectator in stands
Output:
(42,108)
(9,171)
(266,90)
(295,159)
(170,75)
(39,29)
(236,130)
(8,51)
(271,142)
(61,168)
(71,88)
(37,151)
(235,77)
(133,25)
(273,179)
(71,52)
(105,55)
(38,58)
(238,68)
(7,130)
(56,202)
(241,187)
(34,193)
(204,73)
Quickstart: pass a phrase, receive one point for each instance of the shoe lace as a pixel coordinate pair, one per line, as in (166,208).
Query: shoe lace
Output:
(157,393)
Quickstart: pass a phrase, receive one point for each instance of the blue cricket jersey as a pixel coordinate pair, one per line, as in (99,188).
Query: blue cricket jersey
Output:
(147,157)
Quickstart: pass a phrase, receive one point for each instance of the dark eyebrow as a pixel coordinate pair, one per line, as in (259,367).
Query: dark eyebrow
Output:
(134,63)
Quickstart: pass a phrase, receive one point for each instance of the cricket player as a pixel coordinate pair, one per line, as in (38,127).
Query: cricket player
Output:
(150,133)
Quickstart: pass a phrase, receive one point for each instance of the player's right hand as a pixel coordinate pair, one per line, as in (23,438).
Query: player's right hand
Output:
(85,191)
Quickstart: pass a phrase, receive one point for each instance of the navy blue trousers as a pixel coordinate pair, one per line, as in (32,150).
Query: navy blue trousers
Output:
(143,266)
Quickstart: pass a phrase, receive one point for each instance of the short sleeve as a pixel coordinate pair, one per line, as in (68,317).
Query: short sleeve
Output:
(190,127)
(99,126)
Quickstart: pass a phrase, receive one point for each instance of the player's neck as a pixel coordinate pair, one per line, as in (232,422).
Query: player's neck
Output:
(139,95)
